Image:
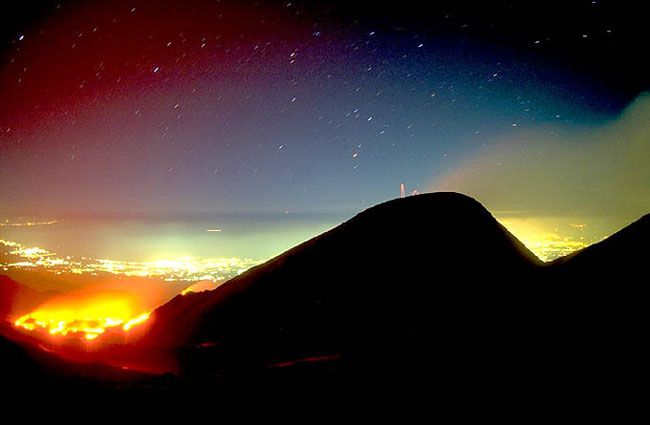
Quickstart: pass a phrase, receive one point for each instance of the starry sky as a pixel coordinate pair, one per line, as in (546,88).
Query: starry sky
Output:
(320,107)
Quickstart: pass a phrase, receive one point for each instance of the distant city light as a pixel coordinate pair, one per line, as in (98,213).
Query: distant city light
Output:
(185,269)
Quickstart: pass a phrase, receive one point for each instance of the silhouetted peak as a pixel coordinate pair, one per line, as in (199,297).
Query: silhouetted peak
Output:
(438,205)
(400,253)
(437,220)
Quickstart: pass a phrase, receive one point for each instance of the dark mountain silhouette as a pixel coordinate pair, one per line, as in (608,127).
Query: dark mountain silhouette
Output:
(424,291)
(389,253)
(376,296)
(426,300)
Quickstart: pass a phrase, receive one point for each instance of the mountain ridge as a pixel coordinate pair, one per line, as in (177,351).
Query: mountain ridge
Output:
(280,259)
(621,247)
(424,292)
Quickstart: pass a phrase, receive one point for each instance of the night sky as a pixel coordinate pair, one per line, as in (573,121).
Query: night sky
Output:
(223,106)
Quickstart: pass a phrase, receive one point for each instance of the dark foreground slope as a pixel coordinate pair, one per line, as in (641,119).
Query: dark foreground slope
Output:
(417,287)
(38,385)
(608,281)
(601,298)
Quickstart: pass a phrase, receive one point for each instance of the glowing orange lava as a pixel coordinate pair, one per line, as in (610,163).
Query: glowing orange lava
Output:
(86,316)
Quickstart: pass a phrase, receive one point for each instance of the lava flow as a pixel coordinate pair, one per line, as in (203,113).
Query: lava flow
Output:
(87,316)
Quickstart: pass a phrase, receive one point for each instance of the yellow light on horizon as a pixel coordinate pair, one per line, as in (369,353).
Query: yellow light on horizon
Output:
(185,268)
(549,237)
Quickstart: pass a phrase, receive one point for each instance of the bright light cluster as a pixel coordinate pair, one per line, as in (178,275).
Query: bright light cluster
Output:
(547,244)
(188,269)
(89,322)
(7,223)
